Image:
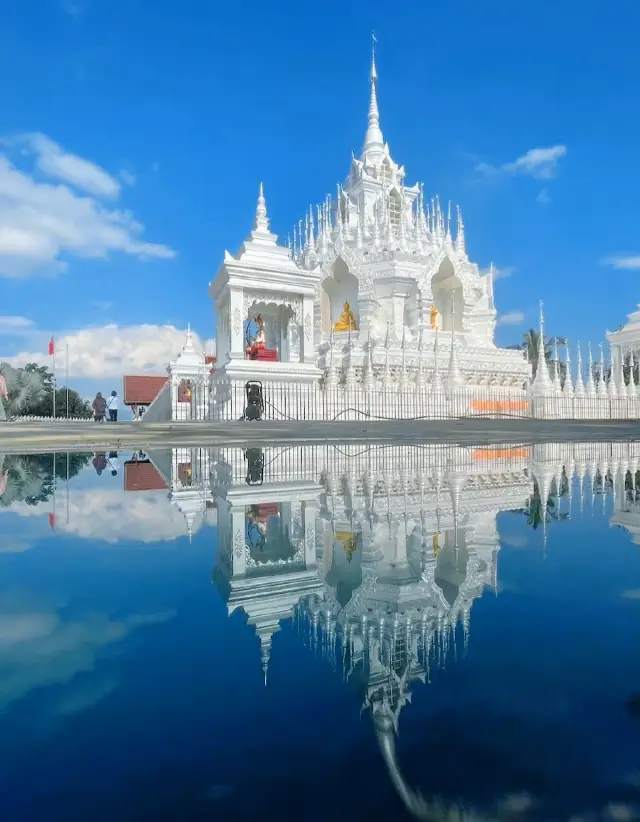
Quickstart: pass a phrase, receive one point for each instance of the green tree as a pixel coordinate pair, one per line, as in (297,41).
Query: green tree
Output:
(31,393)
(534,510)
(30,477)
(530,344)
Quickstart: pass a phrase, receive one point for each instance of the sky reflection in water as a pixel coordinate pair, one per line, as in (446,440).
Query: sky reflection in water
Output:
(430,622)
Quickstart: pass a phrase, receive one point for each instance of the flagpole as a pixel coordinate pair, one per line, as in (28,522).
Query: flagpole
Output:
(67,379)
(53,365)
(52,518)
(67,487)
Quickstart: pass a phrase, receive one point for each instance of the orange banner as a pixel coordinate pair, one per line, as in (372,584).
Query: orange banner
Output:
(499,453)
(498,406)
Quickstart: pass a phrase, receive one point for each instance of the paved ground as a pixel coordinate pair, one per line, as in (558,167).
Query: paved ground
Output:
(61,436)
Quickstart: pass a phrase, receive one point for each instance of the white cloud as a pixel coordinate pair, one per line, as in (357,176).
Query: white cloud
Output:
(112,350)
(629,262)
(634,593)
(15,325)
(55,162)
(83,695)
(543,197)
(110,515)
(540,163)
(514,541)
(10,544)
(40,647)
(127,177)
(515,803)
(500,272)
(511,318)
(43,222)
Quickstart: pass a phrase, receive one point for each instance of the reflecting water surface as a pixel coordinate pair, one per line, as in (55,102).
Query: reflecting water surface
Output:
(362,632)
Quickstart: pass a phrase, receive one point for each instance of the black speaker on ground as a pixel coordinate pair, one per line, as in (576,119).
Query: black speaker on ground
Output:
(254,409)
(255,466)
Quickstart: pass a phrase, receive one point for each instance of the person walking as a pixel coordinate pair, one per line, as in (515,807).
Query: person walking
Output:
(112,406)
(99,406)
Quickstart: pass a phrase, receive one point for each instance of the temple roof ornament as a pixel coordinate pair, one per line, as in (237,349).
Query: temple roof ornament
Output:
(261,224)
(542,383)
(374,146)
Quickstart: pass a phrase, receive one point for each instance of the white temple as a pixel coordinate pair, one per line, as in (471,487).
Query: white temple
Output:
(374,284)
(374,310)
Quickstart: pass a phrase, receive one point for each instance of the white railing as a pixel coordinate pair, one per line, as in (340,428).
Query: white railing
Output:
(32,418)
(226,400)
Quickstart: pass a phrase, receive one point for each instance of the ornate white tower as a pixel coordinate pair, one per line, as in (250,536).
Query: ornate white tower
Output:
(386,261)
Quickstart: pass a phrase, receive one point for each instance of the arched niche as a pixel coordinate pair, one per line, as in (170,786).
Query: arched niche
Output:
(339,287)
(281,334)
(345,572)
(268,533)
(451,564)
(446,288)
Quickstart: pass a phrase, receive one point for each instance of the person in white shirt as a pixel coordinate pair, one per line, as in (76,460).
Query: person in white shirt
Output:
(113,463)
(112,406)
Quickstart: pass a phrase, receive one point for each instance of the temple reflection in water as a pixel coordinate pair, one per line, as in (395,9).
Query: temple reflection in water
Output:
(378,553)
(375,555)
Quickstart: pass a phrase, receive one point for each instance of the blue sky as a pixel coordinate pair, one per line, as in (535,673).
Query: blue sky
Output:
(184,107)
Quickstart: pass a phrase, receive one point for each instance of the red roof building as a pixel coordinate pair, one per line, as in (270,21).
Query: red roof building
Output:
(142,475)
(142,390)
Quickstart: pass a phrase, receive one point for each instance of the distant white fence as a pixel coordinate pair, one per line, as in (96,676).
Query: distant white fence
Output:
(53,420)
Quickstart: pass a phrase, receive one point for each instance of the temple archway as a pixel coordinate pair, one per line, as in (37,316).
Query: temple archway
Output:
(451,564)
(343,553)
(339,287)
(446,288)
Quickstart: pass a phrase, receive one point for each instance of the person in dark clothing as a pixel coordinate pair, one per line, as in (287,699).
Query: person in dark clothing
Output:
(99,406)
(99,462)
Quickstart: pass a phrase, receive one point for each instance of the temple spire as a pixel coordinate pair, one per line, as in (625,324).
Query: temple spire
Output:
(460,246)
(542,382)
(262,221)
(373,140)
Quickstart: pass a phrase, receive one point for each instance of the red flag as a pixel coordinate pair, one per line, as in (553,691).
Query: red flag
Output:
(51,347)
(52,520)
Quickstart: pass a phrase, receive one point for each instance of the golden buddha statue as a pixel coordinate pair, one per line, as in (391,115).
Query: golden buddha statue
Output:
(433,315)
(436,545)
(346,321)
(350,548)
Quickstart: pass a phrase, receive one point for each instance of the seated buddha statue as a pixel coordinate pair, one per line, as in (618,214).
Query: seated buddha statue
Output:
(259,342)
(346,321)
(350,548)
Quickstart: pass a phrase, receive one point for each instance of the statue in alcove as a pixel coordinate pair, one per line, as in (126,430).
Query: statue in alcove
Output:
(433,316)
(257,343)
(346,321)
